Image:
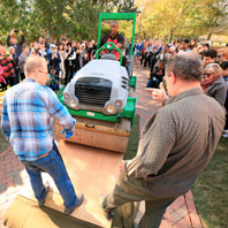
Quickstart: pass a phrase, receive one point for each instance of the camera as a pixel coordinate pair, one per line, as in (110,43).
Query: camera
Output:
(16,30)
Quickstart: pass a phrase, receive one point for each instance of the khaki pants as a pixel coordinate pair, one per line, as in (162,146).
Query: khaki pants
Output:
(127,190)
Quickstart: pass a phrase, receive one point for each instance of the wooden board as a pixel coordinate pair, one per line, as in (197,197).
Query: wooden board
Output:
(93,173)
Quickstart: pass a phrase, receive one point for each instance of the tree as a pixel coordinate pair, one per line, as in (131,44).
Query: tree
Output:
(168,18)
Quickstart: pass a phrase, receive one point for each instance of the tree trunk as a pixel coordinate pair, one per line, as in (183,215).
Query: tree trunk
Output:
(170,35)
(209,35)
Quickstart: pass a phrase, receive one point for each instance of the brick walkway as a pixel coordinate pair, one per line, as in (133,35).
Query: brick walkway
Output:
(181,214)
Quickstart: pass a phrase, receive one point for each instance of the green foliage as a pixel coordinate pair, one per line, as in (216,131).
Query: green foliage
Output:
(177,18)
(74,19)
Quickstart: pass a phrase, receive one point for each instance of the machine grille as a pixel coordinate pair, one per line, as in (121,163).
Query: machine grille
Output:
(93,91)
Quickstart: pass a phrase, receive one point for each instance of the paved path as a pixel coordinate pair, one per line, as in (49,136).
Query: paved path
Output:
(181,214)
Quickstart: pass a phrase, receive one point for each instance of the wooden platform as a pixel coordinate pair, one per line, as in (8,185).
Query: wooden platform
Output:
(93,172)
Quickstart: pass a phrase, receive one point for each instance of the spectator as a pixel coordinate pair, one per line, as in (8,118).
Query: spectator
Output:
(92,50)
(54,60)
(47,45)
(148,54)
(209,57)
(13,56)
(213,83)
(202,47)
(143,51)
(83,52)
(138,48)
(41,40)
(42,51)
(3,83)
(64,41)
(7,66)
(12,41)
(22,59)
(193,46)
(185,46)
(62,54)
(171,155)
(224,67)
(70,59)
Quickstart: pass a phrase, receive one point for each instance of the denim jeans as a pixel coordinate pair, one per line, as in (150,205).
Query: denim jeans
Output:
(53,165)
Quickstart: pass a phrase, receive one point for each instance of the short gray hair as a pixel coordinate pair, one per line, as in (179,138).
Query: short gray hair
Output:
(33,63)
(216,68)
(186,66)
(11,48)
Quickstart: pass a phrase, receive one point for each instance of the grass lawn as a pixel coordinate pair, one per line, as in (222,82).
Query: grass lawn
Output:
(211,190)
(3,143)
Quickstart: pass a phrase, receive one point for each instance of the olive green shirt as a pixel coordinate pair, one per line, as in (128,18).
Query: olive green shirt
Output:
(178,142)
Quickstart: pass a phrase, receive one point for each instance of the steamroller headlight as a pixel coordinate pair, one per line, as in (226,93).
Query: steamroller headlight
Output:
(72,104)
(118,103)
(110,109)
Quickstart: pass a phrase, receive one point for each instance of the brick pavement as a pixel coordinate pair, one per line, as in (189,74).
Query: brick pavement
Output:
(181,214)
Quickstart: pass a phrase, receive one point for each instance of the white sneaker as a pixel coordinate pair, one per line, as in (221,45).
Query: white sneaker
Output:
(225,135)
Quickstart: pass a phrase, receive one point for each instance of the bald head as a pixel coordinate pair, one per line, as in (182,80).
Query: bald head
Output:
(186,66)
(34,63)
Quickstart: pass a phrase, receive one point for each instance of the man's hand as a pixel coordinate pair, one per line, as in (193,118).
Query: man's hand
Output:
(122,167)
(69,133)
(20,32)
(158,94)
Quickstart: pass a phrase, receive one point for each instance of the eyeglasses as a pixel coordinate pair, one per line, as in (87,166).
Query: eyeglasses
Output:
(207,75)
(44,72)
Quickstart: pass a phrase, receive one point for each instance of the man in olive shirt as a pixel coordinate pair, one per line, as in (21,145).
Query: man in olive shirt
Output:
(176,145)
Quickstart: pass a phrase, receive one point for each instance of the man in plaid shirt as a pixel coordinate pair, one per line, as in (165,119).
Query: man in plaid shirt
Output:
(27,115)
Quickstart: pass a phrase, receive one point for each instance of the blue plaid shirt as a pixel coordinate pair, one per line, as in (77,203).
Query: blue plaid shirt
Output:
(27,117)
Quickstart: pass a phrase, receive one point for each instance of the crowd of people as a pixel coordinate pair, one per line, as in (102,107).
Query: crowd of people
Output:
(154,54)
(64,57)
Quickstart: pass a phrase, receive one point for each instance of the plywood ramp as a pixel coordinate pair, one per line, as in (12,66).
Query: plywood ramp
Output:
(93,172)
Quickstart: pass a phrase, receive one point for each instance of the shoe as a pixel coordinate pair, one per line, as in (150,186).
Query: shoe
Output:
(70,210)
(108,213)
(47,189)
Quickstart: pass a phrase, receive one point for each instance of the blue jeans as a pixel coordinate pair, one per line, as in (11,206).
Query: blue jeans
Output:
(53,165)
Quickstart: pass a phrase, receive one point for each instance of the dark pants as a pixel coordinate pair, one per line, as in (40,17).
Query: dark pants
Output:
(69,73)
(128,190)
(53,165)
(22,76)
(147,60)
(16,78)
(10,81)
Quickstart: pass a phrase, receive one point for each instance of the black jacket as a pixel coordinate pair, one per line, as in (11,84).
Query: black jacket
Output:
(18,46)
